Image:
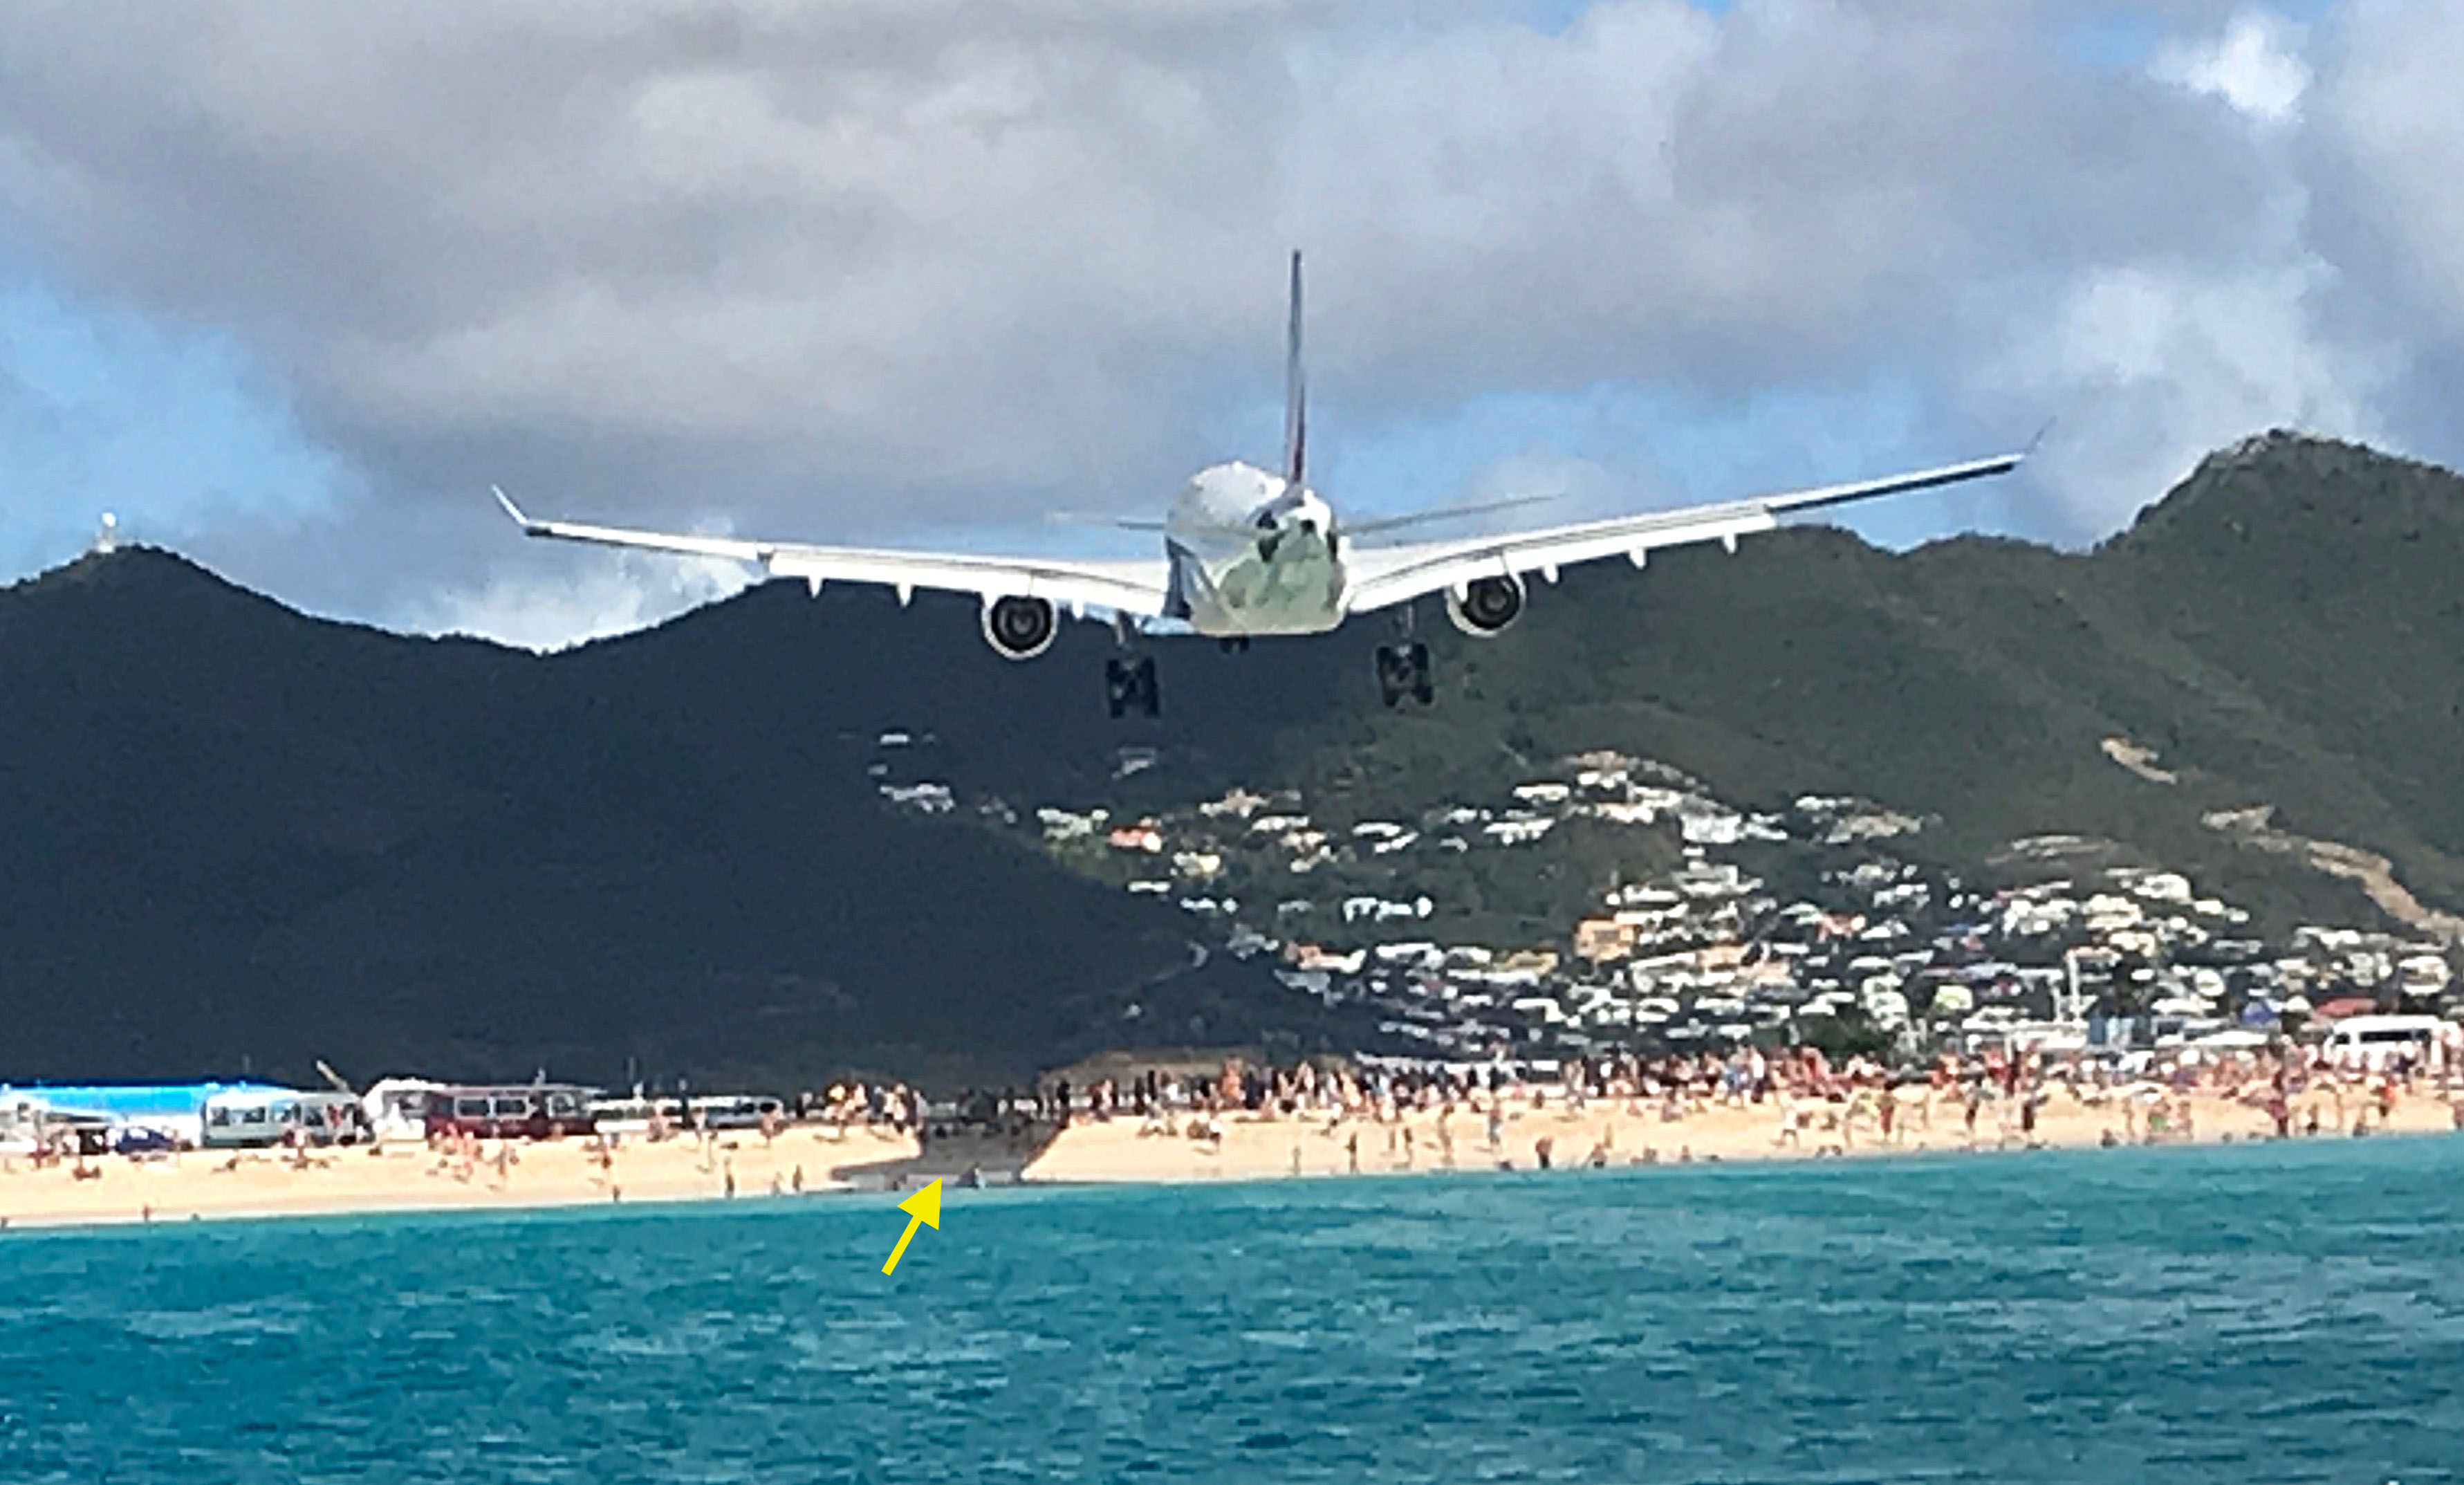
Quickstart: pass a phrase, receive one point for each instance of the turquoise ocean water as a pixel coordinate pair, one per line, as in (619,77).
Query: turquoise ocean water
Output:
(2243,1314)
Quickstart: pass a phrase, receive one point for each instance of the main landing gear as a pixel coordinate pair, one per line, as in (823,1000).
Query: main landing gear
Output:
(1403,668)
(1130,686)
(1403,671)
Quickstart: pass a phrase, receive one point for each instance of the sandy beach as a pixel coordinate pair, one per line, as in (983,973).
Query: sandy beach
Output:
(222,1184)
(1623,1133)
(1187,1147)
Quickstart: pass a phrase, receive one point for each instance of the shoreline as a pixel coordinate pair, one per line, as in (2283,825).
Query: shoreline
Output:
(510,1176)
(1622,1133)
(1189,1149)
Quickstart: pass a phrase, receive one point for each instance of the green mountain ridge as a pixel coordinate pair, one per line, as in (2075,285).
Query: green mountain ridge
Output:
(232,838)
(231,833)
(2286,627)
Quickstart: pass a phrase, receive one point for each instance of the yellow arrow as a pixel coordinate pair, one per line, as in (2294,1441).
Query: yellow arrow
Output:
(923,1209)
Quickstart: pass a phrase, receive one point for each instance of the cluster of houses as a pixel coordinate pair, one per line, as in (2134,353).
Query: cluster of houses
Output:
(1694,948)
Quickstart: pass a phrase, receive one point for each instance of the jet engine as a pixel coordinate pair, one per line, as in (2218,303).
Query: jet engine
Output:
(1019,629)
(1485,606)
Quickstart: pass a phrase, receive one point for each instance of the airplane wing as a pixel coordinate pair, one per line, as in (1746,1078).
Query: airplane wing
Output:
(1383,576)
(1134,588)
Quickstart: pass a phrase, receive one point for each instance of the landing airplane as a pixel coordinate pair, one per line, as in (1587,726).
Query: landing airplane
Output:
(1249,553)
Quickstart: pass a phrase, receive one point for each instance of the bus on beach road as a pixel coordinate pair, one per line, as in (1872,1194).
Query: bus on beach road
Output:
(510,1111)
(641,1116)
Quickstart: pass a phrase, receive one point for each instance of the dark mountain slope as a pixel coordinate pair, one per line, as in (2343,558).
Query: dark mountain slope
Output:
(2325,584)
(234,833)
(2283,628)
(229,832)
(815,680)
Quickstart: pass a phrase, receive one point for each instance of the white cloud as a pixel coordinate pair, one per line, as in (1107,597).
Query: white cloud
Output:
(890,267)
(2153,368)
(2394,122)
(2255,66)
(603,594)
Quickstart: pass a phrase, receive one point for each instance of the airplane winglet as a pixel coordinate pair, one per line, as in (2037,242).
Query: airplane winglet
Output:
(527,525)
(2037,442)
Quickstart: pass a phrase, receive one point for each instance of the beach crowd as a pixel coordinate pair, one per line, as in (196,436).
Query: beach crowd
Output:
(1988,1097)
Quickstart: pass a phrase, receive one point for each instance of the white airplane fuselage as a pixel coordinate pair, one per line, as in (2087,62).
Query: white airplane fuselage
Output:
(1252,555)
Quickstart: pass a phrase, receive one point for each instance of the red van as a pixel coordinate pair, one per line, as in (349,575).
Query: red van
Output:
(516,1111)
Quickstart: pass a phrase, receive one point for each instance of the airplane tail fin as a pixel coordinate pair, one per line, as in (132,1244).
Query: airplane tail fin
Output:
(1295,392)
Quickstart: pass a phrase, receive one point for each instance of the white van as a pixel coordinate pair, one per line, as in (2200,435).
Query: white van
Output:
(242,1118)
(258,1117)
(2370,1042)
(396,1109)
(735,1112)
(21,1122)
(631,1118)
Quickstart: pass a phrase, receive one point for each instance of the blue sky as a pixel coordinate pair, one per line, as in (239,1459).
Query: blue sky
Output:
(218,417)
(103,408)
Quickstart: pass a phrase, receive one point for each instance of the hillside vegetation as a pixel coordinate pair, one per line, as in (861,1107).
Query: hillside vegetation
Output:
(2286,627)
(234,838)
(230,836)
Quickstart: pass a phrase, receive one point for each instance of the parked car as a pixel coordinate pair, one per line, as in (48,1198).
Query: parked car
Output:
(143,1139)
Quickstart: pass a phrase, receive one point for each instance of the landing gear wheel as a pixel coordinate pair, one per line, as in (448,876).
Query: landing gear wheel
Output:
(1130,686)
(1403,671)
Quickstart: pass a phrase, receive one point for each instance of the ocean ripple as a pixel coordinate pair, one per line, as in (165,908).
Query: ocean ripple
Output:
(2248,1314)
